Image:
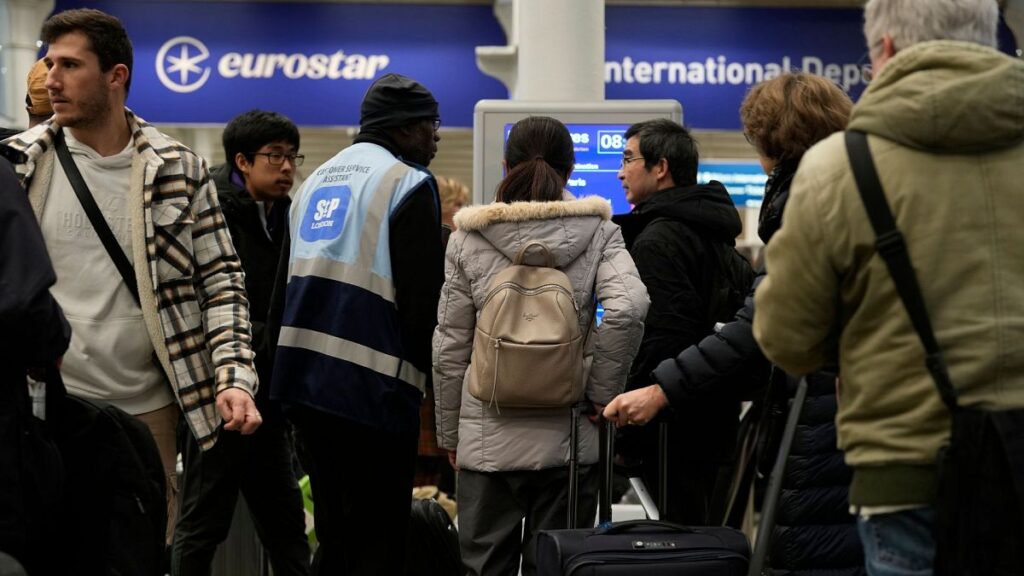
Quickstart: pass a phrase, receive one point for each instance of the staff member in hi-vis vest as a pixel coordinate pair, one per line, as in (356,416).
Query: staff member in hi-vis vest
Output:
(365,270)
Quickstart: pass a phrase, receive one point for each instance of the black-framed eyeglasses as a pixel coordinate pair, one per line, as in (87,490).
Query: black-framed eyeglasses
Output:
(436,123)
(277,158)
(627,159)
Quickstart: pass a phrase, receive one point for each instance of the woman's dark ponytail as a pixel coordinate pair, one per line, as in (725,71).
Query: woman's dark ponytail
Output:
(540,158)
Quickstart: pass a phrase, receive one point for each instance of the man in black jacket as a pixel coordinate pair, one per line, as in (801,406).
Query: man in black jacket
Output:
(261,149)
(681,236)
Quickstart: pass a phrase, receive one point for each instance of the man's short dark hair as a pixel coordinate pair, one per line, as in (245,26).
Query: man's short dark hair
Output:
(663,138)
(107,36)
(250,131)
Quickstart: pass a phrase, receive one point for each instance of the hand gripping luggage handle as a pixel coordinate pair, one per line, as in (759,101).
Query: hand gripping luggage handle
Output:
(549,260)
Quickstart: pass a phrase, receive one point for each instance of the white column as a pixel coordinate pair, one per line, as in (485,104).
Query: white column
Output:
(555,51)
(25,18)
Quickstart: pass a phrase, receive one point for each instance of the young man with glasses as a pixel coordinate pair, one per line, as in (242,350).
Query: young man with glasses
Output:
(261,149)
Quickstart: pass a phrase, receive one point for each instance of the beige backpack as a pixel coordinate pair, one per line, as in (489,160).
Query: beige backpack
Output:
(528,348)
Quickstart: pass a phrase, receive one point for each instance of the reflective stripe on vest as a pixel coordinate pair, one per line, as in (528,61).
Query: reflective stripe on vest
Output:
(353,274)
(355,353)
(317,264)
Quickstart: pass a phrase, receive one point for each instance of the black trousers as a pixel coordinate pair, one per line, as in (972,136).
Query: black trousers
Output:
(494,505)
(260,467)
(362,490)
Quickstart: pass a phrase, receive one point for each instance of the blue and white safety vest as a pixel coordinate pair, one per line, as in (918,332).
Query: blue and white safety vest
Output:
(340,349)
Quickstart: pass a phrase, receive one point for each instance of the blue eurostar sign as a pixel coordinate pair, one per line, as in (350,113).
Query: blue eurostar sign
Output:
(207,61)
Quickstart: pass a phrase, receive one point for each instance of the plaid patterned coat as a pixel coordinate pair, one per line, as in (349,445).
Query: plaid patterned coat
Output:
(190,280)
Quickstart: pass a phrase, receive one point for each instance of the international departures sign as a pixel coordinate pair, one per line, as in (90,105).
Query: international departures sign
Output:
(208,61)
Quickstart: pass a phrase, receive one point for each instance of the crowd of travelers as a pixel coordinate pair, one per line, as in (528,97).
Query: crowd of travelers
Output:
(374,331)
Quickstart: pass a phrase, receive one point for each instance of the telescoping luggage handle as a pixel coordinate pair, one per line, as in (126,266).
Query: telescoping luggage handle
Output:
(607,448)
(607,457)
(771,499)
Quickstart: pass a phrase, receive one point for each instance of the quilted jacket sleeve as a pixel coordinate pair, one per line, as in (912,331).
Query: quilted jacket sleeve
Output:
(723,362)
(624,298)
(453,343)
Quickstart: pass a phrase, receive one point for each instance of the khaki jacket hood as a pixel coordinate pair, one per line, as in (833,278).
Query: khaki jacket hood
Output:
(946,96)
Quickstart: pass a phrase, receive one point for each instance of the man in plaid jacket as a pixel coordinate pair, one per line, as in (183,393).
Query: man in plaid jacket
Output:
(183,347)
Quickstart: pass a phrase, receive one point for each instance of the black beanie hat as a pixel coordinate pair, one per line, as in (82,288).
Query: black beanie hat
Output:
(395,100)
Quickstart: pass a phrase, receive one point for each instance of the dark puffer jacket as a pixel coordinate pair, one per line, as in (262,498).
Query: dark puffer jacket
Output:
(814,532)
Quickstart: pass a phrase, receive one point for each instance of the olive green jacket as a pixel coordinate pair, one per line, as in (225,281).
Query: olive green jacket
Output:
(946,126)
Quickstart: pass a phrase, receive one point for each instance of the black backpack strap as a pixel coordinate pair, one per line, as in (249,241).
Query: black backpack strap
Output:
(892,248)
(99,223)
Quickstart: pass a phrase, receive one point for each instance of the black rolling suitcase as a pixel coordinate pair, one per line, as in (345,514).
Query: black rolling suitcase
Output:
(638,547)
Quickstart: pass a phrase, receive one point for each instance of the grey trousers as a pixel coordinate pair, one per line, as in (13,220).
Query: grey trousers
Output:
(494,505)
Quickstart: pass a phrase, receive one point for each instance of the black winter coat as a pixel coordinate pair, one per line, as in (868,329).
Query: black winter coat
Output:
(33,330)
(815,534)
(669,238)
(672,238)
(731,356)
(260,255)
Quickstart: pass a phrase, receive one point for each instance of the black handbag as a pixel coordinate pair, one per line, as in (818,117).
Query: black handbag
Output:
(979,526)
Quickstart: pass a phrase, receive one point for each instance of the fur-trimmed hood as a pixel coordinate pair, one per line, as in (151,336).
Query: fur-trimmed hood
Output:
(564,226)
(477,217)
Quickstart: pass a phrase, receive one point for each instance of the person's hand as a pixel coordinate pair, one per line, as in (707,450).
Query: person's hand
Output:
(238,410)
(596,416)
(451,460)
(637,407)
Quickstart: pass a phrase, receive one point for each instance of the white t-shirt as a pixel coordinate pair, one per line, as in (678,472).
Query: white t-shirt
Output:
(111,356)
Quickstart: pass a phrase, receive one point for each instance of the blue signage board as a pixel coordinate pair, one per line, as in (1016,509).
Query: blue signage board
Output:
(206,61)
(209,61)
(744,180)
(707,58)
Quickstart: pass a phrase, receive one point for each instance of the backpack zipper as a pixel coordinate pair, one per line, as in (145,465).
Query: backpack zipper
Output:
(532,292)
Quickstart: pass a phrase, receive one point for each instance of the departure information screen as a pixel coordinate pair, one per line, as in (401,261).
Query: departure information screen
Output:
(598,150)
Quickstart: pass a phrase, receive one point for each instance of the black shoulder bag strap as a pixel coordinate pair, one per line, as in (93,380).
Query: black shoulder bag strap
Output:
(99,223)
(893,249)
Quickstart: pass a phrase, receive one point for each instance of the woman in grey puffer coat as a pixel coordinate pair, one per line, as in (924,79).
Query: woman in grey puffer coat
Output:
(513,465)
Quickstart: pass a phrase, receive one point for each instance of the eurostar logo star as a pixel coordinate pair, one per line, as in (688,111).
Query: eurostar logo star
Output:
(178,60)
